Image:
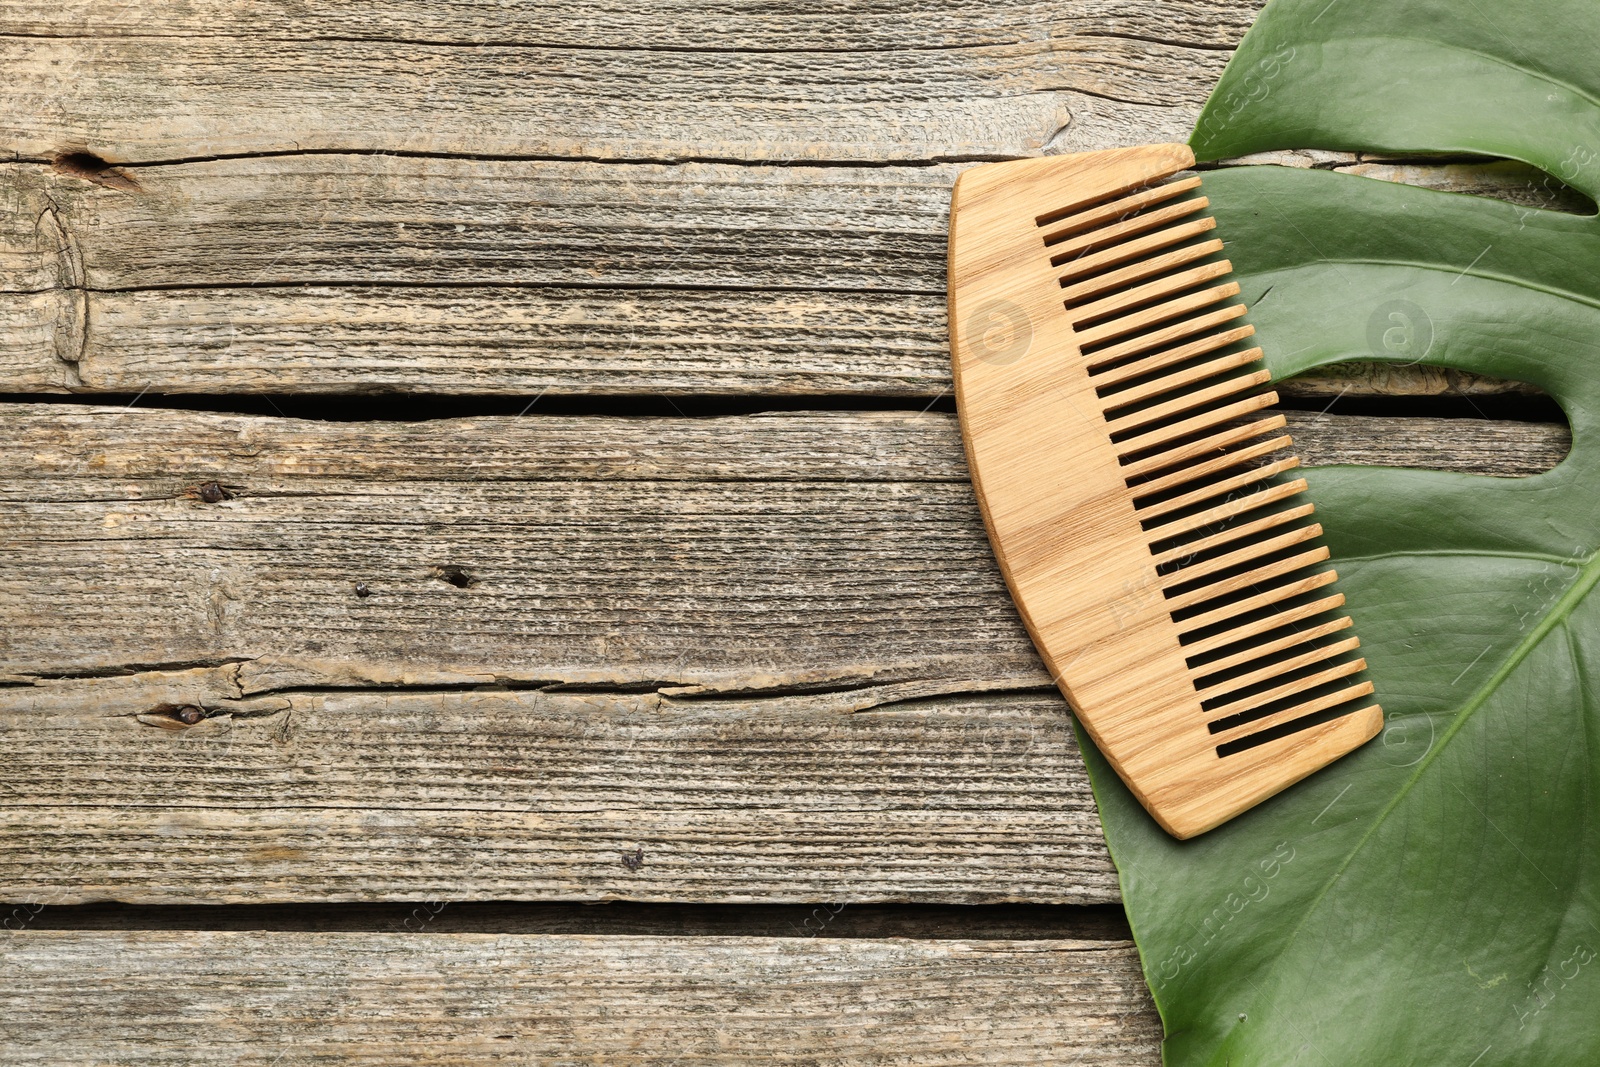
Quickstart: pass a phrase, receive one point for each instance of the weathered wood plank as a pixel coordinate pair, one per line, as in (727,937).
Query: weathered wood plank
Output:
(798,556)
(359,273)
(863,795)
(291,999)
(333,274)
(904,81)
(783,550)
(384,220)
(684,25)
(807,602)
(474,276)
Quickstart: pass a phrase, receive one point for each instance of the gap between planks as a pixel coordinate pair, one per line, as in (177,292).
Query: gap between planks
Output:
(453,915)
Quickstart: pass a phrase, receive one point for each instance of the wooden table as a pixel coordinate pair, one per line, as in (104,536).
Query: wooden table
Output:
(489,571)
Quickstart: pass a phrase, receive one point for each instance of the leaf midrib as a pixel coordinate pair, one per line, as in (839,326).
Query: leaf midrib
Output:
(1376,557)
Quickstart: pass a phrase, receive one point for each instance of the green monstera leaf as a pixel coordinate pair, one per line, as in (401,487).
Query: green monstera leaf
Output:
(1434,898)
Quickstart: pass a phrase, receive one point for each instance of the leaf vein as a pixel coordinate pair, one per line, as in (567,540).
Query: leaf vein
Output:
(1587,576)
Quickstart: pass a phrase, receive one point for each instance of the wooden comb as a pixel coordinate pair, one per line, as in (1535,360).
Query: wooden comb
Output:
(1169,576)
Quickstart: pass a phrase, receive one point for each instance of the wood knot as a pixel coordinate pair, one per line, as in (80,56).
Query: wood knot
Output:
(91,168)
(173,716)
(457,576)
(213,492)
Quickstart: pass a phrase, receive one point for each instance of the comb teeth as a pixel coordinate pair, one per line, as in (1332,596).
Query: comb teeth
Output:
(1225,642)
(1138,276)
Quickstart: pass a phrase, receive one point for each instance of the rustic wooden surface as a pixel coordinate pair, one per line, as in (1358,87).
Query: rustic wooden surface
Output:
(409,794)
(883,80)
(372,273)
(386,217)
(781,584)
(468,999)
(744,664)
(404,745)
(783,551)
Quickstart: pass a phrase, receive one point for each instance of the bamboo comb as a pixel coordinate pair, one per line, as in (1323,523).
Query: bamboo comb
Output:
(1134,493)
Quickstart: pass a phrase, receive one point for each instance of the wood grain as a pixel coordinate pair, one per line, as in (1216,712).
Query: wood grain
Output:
(357,273)
(872,794)
(831,695)
(684,25)
(590,551)
(333,274)
(293,999)
(892,81)
(789,550)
